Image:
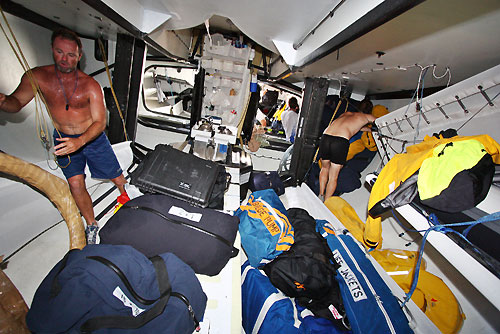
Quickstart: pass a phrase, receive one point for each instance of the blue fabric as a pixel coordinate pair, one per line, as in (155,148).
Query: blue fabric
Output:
(284,315)
(349,178)
(87,286)
(264,227)
(356,137)
(256,288)
(266,180)
(363,311)
(98,154)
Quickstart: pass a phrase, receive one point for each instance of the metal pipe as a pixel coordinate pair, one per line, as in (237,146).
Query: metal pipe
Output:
(397,124)
(442,111)
(425,118)
(379,15)
(485,96)
(408,120)
(330,15)
(461,104)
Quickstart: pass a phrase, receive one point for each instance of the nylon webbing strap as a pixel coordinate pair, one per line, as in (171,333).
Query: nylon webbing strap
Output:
(161,275)
(56,287)
(130,322)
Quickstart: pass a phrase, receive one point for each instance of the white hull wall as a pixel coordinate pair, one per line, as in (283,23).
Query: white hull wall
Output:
(18,133)
(25,212)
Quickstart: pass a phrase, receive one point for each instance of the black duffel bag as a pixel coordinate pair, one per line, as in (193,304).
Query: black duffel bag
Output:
(154,224)
(307,270)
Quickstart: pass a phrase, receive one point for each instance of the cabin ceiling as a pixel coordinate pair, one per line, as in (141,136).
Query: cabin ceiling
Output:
(460,35)
(76,15)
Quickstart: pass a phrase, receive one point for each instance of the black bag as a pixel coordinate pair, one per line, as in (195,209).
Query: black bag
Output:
(467,189)
(221,185)
(116,289)
(155,224)
(269,99)
(307,270)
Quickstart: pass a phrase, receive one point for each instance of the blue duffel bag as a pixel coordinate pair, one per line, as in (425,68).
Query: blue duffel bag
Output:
(116,289)
(369,303)
(266,310)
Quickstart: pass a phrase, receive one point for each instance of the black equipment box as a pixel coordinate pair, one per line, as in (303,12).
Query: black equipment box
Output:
(168,171)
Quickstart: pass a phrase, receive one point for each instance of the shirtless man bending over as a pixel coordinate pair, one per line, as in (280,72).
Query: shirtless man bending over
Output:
(77,106)
(334,146)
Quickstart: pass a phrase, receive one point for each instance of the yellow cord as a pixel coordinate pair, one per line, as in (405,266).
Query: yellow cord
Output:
(101,47)
(40,122)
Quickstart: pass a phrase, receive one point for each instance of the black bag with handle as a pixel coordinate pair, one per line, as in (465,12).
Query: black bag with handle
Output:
(154,224)
(307,270)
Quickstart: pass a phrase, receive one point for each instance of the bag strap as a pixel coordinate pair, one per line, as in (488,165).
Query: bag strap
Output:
(234,250)
(131,322)
(56,287)
(137,155)
(164,284)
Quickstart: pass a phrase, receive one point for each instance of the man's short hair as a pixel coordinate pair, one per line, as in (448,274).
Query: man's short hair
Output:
(67,34)
(366,106)
(293,104)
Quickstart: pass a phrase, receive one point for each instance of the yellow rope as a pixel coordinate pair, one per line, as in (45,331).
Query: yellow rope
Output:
(40,122)
(101,47)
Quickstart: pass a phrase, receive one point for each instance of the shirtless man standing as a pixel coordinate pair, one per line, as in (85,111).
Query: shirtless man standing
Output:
(76,103)
(334,146)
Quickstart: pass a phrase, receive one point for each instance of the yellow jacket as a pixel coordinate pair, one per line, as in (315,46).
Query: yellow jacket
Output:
(366,141)
(402,166)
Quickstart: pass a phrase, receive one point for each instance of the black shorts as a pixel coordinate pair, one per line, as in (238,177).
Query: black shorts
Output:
(333,148)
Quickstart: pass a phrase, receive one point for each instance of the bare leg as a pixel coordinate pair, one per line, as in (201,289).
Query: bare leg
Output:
(323,176)
(120,183)
(82,198)
(332,180)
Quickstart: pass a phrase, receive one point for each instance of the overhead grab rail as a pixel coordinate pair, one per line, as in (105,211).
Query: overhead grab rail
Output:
(296,46)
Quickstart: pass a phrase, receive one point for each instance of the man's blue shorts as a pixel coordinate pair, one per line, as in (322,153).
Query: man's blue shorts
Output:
(98,154)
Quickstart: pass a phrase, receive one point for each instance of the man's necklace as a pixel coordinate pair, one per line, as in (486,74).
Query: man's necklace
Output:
(62,86)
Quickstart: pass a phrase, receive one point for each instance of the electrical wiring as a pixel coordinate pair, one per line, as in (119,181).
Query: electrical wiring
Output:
(180,39)
(264,156)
